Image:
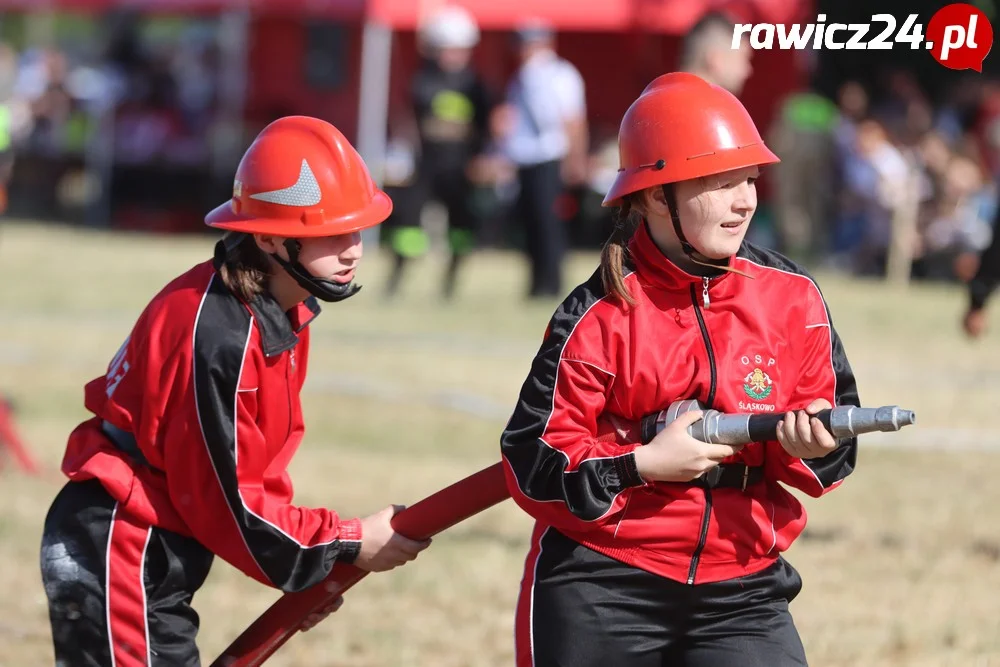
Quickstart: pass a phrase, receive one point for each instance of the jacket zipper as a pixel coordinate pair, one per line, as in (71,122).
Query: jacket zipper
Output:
(703,536)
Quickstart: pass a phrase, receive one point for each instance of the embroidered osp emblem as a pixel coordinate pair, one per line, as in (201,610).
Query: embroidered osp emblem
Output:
(757,385)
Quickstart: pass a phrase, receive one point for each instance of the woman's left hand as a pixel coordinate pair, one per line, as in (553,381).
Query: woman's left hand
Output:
(313,619)
(803,436)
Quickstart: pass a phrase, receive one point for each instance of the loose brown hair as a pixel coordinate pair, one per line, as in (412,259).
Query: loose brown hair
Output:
(245,268)
(614,250)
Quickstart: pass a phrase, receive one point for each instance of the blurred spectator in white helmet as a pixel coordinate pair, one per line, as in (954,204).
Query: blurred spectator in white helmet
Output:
(449,119)
(448,36)
(708,52)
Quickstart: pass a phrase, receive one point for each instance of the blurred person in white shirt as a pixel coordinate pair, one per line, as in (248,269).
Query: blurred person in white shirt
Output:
(547,140)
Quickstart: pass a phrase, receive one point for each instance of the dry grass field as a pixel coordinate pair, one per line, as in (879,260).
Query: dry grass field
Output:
(901,565)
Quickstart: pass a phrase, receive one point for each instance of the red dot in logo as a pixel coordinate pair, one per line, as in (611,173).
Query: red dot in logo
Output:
(961,36)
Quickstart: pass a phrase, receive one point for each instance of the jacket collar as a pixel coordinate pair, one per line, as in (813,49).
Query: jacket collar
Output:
(656,269)
(279,329)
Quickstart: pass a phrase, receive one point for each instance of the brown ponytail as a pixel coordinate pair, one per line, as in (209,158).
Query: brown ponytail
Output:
(614,250)
(245,268)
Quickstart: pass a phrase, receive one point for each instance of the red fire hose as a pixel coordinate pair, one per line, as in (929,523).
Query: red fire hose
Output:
(427,518)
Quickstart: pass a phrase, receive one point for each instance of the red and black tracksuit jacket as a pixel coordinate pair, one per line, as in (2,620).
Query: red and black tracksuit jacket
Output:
(737,344)
(186,457)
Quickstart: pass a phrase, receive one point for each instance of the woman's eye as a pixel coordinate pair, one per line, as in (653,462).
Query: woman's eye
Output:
(751,180)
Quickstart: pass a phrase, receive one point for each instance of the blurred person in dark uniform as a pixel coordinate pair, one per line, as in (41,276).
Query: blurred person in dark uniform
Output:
(547,141)
(983,285)
(451,111)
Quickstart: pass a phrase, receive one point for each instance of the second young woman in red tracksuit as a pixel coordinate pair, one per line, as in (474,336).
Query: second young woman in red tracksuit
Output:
(638,559)
(185,455)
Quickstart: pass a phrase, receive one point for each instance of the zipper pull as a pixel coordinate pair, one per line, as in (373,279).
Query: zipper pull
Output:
(704,292)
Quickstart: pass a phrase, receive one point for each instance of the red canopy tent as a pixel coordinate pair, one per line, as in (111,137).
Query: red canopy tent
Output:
(344,9)
(663,16)
(657,16)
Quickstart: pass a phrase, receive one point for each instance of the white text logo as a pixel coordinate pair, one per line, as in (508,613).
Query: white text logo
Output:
(959,36)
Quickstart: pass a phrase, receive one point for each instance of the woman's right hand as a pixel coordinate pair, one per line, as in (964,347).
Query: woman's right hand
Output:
(382,548)
(674,456)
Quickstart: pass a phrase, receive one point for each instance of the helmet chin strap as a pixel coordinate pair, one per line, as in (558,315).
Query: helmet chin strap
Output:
(325,290)
(719,264)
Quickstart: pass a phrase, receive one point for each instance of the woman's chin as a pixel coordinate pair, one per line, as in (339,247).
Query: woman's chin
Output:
(723,248)
(719,251)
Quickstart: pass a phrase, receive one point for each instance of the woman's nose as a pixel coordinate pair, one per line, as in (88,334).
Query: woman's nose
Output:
(746,198)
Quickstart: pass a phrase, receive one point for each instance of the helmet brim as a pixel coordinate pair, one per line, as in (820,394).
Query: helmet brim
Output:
(636,180)
(223,217)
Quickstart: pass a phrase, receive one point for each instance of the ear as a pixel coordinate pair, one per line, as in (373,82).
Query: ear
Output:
(655,202)
(268,242)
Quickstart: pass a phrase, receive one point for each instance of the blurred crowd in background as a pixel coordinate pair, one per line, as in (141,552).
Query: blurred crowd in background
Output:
(513,165)
(91,128)
(851,166)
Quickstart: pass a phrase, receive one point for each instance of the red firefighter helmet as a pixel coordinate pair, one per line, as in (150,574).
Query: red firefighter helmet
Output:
(301,178)
(680,128)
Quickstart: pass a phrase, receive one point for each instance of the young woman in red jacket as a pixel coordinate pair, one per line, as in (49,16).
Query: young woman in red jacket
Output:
(186,454)
(638,559)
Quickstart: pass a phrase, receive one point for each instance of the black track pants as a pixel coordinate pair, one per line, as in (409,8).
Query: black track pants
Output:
(119,591)
(579,608)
